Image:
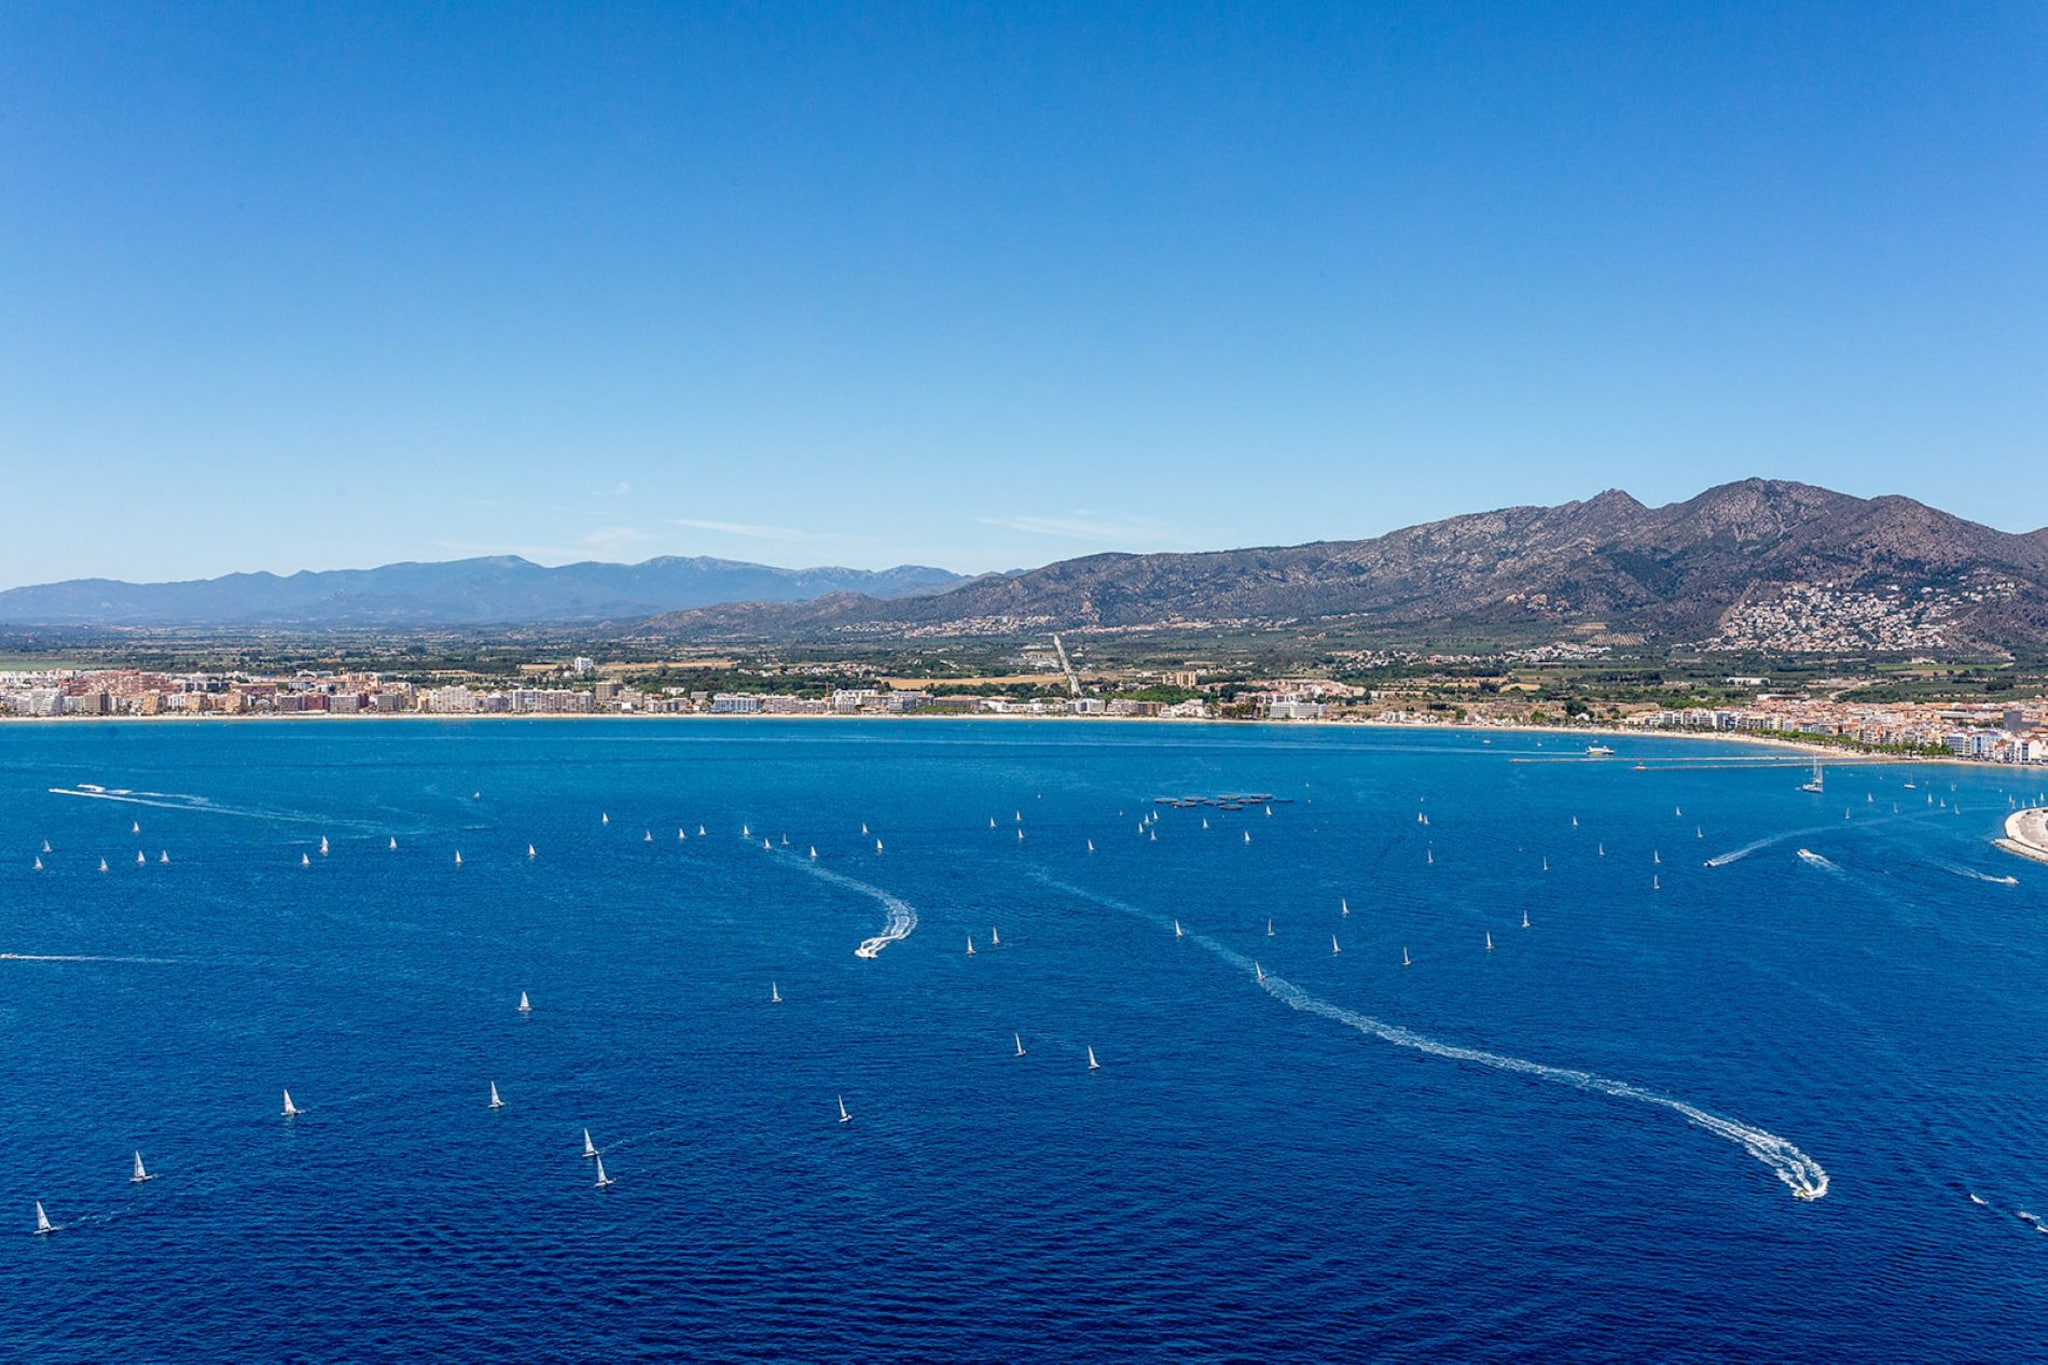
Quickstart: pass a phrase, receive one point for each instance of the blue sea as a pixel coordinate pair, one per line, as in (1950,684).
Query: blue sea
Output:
(1586,1142)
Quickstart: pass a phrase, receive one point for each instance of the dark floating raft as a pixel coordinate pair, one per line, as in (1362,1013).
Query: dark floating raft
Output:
(1230,802)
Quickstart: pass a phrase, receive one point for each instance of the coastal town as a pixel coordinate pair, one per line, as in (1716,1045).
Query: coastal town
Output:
(1991,732)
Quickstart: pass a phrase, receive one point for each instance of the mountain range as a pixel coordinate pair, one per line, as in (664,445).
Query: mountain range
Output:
(499,590)
(1760,564)
(1757,565)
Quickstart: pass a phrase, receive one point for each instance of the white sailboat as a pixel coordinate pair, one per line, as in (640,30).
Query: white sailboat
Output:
(323,846)
(766,845)
(1655,885)
(140,860)
(604,818)
(1600,849)
(1259,973)
(1489,940)
(46,845)
(970,945)
(1020,1043)
(1093,1065)
(863,827)
(531,853)
(393,845)
(700,831)
(496,1103)
(646,836)
(39,864)
(878,845)
(774,994)
(1655,856)
(589,1147)
(1404,956)
(1247,836)
(1176,929)
(1678,812)
(1344,907)
(1205,822)
(458,857)
(1269,928)
(746,832)
(525,1005)
(814,853)
(135,827)
(140,1173)
(1525,919)
(844,1117)
(163,855)
(1575,822)
(1091,845)
(103,864)
(1546,864)
(305,860)
(995,940)
(291,1111)
(681,837)
(603,1181)
(1429,856)
(1334,949)
(44,1227)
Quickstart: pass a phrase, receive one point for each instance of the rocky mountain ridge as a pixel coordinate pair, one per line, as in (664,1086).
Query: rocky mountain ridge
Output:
(1707,570)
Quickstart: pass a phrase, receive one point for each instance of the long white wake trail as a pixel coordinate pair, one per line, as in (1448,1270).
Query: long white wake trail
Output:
(1800,1172)
(902,915)
(201,805)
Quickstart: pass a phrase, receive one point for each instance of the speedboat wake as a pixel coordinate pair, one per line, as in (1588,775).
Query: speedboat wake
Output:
(1800,1172)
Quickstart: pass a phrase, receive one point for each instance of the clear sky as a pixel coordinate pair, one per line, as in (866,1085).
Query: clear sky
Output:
(300,285)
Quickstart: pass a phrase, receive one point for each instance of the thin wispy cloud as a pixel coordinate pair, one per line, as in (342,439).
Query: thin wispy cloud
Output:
(745,530)
(1094,529)
(613,539)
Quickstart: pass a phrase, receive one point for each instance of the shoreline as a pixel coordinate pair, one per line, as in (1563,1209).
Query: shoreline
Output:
(1785,745)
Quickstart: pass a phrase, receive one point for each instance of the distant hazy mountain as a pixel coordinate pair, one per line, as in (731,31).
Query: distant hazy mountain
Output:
(503,590)
(1775,566)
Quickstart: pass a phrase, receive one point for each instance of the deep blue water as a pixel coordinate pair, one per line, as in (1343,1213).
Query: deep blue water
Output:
(1253,1172)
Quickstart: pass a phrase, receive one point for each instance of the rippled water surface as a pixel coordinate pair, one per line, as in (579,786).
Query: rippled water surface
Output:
(1584,1142)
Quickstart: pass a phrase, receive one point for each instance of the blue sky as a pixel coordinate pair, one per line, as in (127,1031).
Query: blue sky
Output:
(296,286)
